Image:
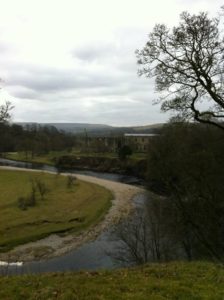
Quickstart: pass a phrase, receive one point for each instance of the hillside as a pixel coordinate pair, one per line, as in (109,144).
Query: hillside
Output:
(182,281)
(97,129)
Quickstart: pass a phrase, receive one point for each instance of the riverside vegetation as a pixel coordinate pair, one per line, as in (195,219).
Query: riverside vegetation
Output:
(134,165)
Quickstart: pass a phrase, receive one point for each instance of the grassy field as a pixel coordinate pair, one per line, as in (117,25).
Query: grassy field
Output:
(182,281)
(63,209)
(49,158)
(44,159)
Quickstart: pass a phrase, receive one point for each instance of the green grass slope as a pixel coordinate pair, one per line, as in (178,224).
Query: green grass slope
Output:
(182,281)
(62,209)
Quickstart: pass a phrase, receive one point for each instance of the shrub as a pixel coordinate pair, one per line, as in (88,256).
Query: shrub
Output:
(124,151)
(71,181)
(42,188)
(22,203)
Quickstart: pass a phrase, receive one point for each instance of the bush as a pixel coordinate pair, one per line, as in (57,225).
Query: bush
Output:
(31,200)
(42,188)
(71,180)
(22,203)
(124,151)
(28,201)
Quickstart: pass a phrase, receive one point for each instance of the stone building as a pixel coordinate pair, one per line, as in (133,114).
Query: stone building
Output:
(139,142)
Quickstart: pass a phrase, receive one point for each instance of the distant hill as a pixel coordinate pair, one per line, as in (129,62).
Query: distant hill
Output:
(149,127)
(80,127)
(97,129)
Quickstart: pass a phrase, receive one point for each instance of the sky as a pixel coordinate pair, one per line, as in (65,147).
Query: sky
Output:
(74,60)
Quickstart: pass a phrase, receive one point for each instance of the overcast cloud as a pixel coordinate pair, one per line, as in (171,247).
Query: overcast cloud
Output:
(74,61)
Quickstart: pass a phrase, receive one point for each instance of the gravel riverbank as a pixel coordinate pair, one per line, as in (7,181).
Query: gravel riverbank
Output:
(56,245)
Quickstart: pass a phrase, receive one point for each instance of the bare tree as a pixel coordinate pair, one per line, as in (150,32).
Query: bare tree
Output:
(133,236)
(144,235)
(187,63)
(41,187)
(5,112)
(71,180)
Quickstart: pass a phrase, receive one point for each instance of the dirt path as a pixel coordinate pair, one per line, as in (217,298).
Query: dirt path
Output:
(55,245)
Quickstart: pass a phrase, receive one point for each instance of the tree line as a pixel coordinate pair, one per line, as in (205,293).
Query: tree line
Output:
(33,139)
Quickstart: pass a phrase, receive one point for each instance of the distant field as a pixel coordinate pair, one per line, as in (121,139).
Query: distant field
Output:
(48,158)
(63,209)
(44,159)
(180,281)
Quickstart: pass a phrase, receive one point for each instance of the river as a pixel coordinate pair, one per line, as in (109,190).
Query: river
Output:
(43,167)
(92,255)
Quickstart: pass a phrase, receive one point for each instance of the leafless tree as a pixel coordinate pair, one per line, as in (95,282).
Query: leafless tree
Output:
(5,112)
(41,187)
(71,180)
(144,235)
(188,66)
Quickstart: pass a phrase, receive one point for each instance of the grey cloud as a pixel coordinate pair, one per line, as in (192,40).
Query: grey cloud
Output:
(22,92)
(43,83)
(123,113)
(117,110)
(120,55)
(53,80)
(112,77)
(94,51)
